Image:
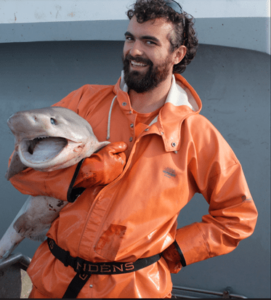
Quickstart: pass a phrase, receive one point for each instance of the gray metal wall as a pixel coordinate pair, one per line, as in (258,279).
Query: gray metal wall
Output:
(234,85)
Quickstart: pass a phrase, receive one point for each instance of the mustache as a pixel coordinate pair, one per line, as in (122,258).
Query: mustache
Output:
(142,60)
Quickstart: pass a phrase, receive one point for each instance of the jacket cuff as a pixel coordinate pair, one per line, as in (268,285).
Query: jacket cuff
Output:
(191,245)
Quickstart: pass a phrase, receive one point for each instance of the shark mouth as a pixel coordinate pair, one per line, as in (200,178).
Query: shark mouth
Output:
(42,149)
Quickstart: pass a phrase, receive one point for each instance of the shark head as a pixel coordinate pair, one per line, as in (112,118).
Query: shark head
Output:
(51,138)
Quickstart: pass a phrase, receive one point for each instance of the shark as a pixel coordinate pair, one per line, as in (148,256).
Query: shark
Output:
(46,139)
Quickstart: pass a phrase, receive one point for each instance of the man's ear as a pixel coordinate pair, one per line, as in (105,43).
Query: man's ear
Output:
(179,54)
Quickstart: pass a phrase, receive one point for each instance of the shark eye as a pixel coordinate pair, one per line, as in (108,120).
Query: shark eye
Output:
(53,121)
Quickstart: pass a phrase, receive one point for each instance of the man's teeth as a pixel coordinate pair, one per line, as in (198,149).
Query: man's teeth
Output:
(137,64)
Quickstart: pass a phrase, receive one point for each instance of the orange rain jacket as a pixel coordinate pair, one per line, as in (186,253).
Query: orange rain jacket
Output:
(181,153)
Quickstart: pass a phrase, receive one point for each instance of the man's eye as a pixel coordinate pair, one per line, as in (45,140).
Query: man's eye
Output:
(128,38)
(150,43)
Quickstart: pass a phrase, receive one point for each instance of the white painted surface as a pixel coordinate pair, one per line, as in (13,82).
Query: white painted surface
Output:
(33,11)
(231,23)
(227,8)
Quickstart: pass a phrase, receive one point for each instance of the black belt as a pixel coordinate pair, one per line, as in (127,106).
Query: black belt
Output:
(85,269)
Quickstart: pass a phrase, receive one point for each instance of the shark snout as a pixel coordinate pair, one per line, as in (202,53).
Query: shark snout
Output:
(14,122)
(24,121)
(9,121)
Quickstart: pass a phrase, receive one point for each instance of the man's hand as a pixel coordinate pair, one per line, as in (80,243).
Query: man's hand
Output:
(102,167)
(172,257)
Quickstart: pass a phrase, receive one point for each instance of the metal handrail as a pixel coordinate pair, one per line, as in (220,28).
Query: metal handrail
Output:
(224,294)
(19,258)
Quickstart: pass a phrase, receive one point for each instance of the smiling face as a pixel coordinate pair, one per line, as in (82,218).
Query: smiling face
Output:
(147,58)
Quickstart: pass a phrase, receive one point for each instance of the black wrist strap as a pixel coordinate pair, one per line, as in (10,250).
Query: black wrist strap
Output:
(74,193)
(183,262)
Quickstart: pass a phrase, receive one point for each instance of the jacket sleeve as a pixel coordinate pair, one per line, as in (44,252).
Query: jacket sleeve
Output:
(53,184)
(218,176)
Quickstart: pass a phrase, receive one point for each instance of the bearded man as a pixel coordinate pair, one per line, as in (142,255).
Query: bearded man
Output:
(118,237)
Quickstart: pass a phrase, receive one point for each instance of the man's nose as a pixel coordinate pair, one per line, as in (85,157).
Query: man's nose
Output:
(136,49)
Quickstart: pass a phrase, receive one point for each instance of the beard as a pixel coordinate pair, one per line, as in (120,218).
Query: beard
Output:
(146,81)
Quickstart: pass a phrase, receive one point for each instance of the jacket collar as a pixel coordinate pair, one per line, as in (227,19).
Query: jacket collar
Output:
(176,96)
(182,101)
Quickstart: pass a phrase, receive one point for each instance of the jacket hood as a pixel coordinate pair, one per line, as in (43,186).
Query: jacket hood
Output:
(180,93)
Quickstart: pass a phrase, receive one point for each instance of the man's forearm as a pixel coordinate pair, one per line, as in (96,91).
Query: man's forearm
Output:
(35,183)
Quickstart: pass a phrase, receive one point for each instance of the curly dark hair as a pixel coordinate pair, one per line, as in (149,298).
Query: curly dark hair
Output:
(184,34)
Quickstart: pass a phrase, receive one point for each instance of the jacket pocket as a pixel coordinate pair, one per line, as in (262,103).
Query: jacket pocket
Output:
(109,243)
